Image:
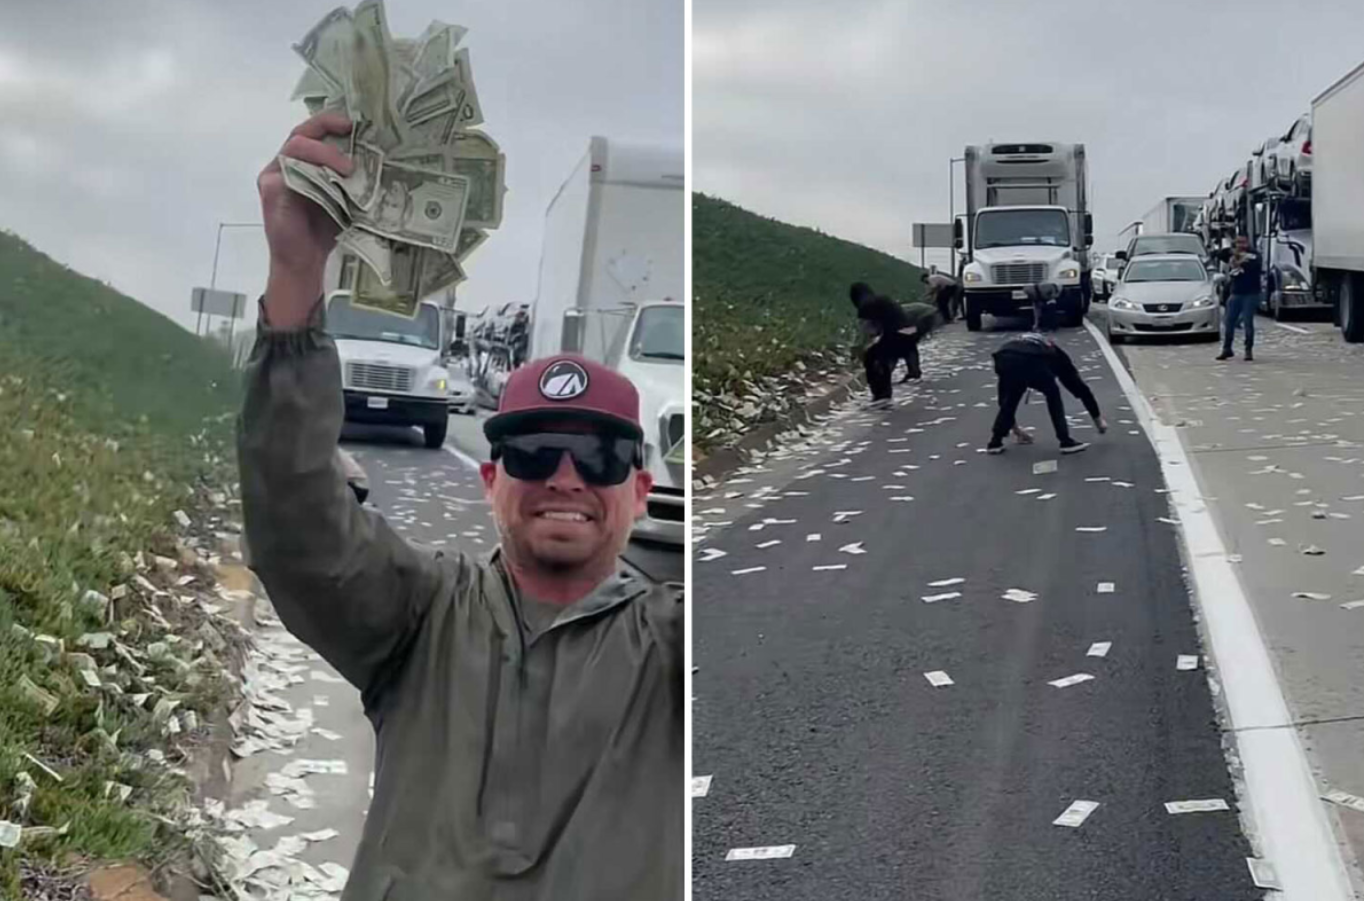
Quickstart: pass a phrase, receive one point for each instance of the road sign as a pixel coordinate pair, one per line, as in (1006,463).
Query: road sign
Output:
(932,234)
(217,303)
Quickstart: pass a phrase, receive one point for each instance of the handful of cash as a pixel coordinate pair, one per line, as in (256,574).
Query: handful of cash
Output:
(427,186)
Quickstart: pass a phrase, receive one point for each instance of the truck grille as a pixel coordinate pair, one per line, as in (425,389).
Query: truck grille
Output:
(378,377)
(675,429)
(1018,273)
(667,504)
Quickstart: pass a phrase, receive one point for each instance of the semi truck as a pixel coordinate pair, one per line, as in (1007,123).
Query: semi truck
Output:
(1027,221)
(610,288)
(1172,214)
(1337,216)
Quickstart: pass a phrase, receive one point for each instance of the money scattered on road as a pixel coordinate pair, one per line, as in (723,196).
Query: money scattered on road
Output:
(938,678)
(1107,587)
(1076,814)
(1277,542)
(1345,799)
(1186,662)
(1068,681)
(946,596)
(1312,550)
(854,548)
(845,515)
(744,572)
(1311,596)
(768,544)
(711,553)
(946,583)
(1352,605)
(1019,595)
(1263,874)
(814,536)
(830,566)
(1027,491)
(772,852)
(1196,806)
(426,186)
(700,786)
(1099,649)
(1091,529)
(1044,467)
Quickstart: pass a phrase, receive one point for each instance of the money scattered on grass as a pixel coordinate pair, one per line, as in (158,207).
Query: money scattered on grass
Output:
(1186,662)
(1068,681)
(1099,649)
(946,596)
(772,852)
(744,572)
(700,786)
(1263,874)
(1076,814)
(10,833)
(1202,806)
(938,678)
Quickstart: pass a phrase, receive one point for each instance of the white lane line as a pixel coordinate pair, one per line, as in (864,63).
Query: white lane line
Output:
(1285,815)
(1294,328)
(461,456)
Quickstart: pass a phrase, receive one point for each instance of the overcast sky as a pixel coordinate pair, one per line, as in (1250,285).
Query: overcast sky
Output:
(129,130)
(843,116)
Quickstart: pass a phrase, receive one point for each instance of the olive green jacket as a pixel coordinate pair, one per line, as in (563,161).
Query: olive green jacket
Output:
(510,767)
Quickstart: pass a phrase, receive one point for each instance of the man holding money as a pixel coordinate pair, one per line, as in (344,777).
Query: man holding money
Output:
(527,706)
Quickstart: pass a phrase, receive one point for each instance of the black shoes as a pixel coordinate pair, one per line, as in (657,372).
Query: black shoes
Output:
(1225,355)
(1073,447)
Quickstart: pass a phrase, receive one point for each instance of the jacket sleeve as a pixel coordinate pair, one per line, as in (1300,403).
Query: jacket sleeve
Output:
(1068,376)
(340,578)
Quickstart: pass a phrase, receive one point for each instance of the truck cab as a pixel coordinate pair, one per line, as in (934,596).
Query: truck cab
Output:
(393,370)
(1027,221)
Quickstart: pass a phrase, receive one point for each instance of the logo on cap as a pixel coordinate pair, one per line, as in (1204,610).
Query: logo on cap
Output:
(563,380)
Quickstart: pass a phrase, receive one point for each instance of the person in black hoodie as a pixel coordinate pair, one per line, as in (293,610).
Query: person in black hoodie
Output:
(897,334)
(1036,361)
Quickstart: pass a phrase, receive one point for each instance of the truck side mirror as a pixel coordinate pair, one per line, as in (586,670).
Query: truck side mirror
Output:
(957,234)
(1121,255)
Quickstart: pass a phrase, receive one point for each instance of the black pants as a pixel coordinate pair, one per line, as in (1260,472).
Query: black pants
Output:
(879,361)
(1017,373)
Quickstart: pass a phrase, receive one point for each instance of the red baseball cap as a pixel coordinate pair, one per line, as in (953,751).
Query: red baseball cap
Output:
(565,387)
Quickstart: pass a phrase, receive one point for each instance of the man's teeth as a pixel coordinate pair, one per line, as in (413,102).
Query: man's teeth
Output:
(564,516)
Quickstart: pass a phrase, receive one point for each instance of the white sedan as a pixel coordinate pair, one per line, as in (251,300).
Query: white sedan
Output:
(462,399)
(1167,294)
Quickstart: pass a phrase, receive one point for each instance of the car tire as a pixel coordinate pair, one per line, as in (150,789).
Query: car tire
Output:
(973,317)
(434,433)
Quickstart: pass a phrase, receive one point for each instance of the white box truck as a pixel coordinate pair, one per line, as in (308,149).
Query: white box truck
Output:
(1338,200)
(1027,221)
(610,288)
(1172,215)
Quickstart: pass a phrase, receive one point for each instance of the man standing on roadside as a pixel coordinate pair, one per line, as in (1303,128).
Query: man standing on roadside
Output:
(1245,273)
(527,705)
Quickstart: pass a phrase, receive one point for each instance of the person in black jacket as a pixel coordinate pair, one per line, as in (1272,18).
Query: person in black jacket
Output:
(896,334)
(1245,298)
(1036,361)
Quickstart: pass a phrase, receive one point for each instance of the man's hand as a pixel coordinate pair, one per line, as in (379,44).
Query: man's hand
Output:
(300,234)
(1101,424)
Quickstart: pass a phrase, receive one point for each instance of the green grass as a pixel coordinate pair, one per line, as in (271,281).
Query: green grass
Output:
(768,295)
(114,418)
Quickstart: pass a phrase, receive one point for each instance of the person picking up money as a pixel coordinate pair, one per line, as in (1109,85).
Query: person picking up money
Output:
(527,705)
(1036,361)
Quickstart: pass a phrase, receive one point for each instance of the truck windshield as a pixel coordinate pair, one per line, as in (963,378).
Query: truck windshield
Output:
(1295,215)
(1165,271)
(347,321)
(1010,228)
(660,334)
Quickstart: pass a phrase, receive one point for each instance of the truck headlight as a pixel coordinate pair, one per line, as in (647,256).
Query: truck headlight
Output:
(970,277)
(1068,272)
(440,384)
(1294,280)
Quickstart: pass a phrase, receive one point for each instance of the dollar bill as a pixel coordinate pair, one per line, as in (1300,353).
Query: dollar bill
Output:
(39,697)
(327,49)
(418,206)
(371,89)
(373,251)
(475,156)
(10,834)
(403,294)
(452,91)
(439,271)
(436,51)
(469,240)
(300,179)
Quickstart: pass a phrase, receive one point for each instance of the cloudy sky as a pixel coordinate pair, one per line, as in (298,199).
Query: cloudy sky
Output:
(129,130)
(843,116)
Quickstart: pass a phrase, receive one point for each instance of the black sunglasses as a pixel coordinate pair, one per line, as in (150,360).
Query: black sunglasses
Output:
(600,460)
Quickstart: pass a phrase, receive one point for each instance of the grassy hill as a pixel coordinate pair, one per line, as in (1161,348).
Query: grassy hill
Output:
(768,295)
(114,419)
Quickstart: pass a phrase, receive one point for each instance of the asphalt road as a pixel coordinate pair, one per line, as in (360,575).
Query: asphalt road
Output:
(812,712)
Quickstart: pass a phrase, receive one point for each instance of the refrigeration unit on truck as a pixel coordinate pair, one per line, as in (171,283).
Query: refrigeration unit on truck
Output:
(1338,200)
(611,289)
(1172,215)
(1027,221)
